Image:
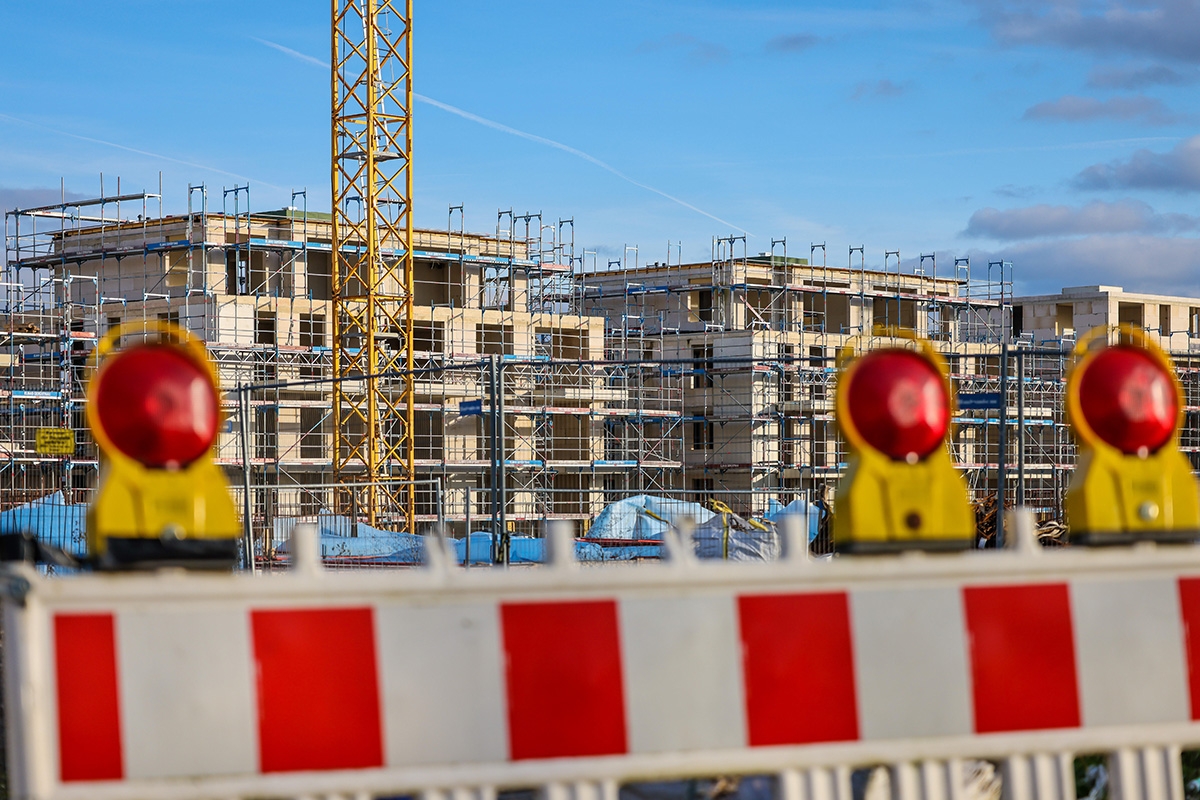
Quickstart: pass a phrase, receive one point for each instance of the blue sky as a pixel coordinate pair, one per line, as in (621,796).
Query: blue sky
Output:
(1057,134)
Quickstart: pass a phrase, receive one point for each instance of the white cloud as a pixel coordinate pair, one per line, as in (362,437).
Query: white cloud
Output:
(1168,29)
(1135,76)
(1096,217)
(1176,170)
(1162,265)
(1072,108)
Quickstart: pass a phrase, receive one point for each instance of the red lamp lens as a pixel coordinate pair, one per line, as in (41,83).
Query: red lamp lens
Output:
(898,403)
(157,405)
(1128,399)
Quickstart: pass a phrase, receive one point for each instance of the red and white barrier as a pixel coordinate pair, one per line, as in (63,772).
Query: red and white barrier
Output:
(439,680)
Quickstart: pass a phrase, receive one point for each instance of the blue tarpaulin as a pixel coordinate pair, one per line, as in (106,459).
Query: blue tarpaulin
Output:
(50,520)
(387,547)
(522,549)
(644,517)
(368,543)
(803,508)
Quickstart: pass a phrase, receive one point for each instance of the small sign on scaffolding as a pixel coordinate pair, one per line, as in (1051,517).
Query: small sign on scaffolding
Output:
(55,442)
(470,408)
(978,400)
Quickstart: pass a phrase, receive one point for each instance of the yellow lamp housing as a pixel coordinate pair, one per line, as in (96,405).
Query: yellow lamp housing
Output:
(154,411)
(900,490)
(1125,406)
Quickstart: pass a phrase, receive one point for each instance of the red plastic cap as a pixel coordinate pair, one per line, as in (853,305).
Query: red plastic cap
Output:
(1128,399)
(898,402)
(157,405)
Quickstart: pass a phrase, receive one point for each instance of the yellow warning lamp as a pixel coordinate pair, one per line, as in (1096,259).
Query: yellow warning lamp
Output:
(901,490)
(1125,406)
(154,410)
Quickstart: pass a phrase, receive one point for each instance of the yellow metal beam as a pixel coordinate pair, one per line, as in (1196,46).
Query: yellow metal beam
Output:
(373,262)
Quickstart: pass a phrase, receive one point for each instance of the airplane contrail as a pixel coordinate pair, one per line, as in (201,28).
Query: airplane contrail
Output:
(573,151)
(293,53)
(532,137)
(160,156)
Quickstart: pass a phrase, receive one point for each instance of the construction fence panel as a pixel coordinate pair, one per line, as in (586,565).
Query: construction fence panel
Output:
(447,683)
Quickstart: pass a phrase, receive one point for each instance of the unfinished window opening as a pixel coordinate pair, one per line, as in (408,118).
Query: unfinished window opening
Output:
(237,272)
(702,435)
(494,340)
(429,337)
(702,367)
(318,274)
(886,313)
(704,305)
(1064,319)
(820,443)
(563,345)
(266,433)
(570,435)
(790,428)
(788,377)
(837,313)
(571,494)
(1132,314)
(312,433)
(312,330)
(1164,319)
(264,327)
(259,283)
(814,311)
(429,435)
(497,289)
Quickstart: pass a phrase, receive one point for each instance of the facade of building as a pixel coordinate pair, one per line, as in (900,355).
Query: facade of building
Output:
(1056,322)
(257,289)
(758,338)
(1172,322)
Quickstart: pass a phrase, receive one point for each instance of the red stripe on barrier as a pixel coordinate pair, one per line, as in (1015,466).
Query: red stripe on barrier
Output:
(318,689)
(89,713)
(1189,612)
(799,668)
(565,693)
(1022,657)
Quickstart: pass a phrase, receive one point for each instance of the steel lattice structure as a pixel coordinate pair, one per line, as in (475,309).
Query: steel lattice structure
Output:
(372,236)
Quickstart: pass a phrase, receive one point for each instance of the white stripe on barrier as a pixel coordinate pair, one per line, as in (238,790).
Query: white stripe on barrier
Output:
(910,657)
(1129,640)
(454,688)
(682,657)
(185,692)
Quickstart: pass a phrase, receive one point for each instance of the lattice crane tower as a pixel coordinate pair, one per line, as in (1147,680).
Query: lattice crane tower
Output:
(372,252)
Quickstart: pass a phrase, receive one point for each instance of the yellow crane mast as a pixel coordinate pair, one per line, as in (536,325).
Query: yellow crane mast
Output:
(372,252)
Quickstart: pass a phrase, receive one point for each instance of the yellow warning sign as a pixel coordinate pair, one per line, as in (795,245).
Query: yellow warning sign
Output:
(55,442)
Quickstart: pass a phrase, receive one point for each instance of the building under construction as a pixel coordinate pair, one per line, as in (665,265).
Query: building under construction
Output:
(760,336)
(257,288)
(544,387)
